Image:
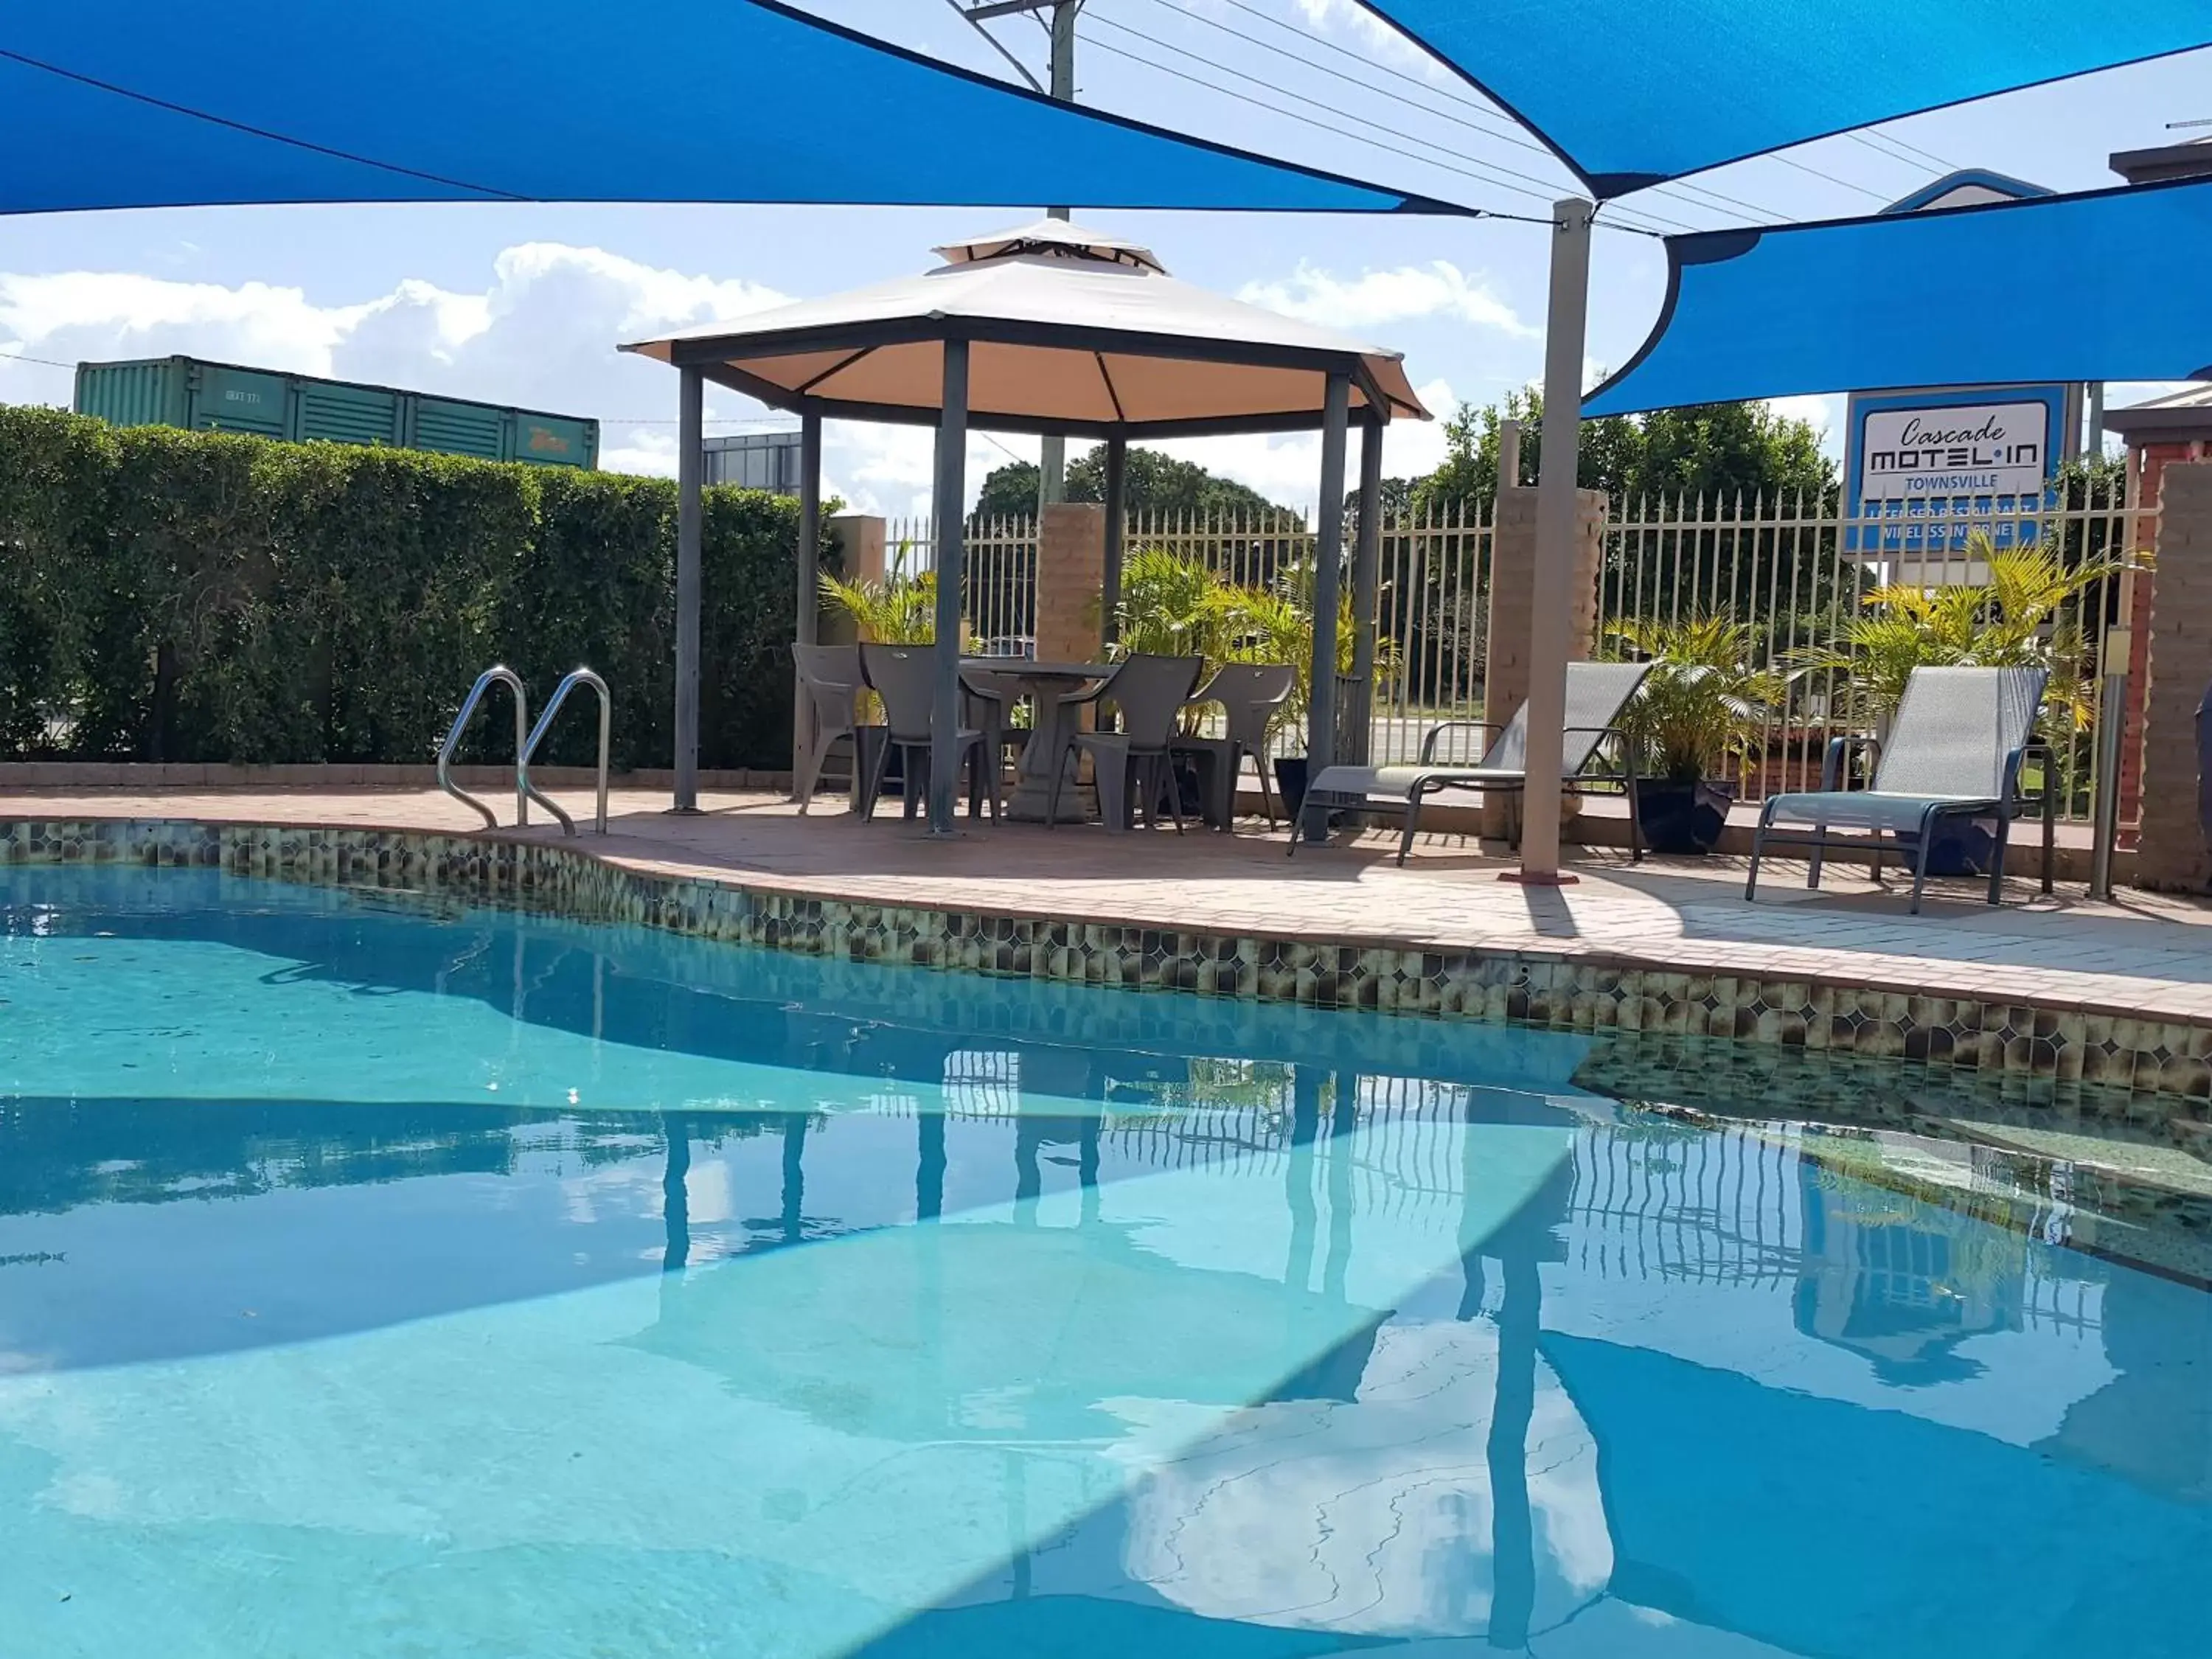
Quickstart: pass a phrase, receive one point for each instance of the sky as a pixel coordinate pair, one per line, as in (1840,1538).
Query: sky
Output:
(524,304)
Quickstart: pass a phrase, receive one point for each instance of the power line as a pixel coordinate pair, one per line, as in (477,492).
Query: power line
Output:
(1870,135)
(1491,129)
(1411,80)
(1488,177)
(1491,126)
(1792,161)
(26,357)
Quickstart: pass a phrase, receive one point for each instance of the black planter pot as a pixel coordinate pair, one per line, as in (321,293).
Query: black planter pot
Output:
(1291,783)
(1684,819)
(1961,849)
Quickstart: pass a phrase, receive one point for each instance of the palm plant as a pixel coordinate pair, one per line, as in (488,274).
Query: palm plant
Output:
(1276,625)
(1175,606)
(1705,706)
(898,610)
(2012,621)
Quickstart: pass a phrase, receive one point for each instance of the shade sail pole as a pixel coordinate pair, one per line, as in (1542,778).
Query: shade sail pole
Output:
(1117,522)
(1329,559)
(950,498)
(1566,327)
(690,469)
(806,624)
(1366,577)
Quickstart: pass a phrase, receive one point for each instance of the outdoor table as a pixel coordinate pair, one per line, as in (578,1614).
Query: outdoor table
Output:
(1046,684)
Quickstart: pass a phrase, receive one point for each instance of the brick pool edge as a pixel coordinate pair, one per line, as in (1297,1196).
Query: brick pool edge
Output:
(2008,1040)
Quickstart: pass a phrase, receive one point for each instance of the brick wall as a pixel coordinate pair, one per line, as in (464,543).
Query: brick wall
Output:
(2173,854)
(1071,578)
(1512,587)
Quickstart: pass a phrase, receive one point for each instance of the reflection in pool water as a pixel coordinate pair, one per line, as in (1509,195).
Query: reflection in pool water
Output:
(381,1282)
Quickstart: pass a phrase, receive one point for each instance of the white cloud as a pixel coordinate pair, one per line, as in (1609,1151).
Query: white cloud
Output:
(1823,414)
(1439,289)
(1380,40)
(542,331)
(1286,469)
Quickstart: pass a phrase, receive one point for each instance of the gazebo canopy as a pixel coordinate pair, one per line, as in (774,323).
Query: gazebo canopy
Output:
(1069,332)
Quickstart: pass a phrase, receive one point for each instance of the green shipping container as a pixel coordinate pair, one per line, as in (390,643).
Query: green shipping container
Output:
(204,397)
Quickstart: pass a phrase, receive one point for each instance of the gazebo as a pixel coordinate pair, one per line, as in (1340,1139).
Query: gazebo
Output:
(1050,330)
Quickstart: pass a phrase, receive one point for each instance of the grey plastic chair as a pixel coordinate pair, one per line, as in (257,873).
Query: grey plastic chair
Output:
(1248,694)
(1148,693)
(905,678)
(987,703)
(1596,693)
(829,677)
(1954,751)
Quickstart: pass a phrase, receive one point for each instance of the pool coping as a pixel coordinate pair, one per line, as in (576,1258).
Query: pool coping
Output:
(1591,989)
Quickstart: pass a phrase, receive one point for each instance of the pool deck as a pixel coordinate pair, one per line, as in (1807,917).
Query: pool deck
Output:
(2145,956)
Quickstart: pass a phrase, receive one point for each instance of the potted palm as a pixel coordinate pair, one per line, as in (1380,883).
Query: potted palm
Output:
(1697,726)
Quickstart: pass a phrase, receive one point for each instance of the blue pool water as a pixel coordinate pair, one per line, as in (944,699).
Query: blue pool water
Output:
(378,1279)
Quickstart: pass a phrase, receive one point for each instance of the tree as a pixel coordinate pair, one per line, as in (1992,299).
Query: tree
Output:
(1716,450)
(1709,462)
(1153,483)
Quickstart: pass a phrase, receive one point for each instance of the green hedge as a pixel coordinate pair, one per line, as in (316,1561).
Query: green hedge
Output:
(187,596)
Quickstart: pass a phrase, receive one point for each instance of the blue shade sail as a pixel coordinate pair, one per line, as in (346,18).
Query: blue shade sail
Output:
(1629,92)
(140,104)
(2092,287)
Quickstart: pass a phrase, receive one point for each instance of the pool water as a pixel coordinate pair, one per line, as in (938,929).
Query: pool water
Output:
(386,1278)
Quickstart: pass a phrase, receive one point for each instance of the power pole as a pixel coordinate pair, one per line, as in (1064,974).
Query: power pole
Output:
(1052,458)
(1051,453)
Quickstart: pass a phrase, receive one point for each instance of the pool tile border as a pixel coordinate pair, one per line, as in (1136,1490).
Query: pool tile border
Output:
(2001,1039)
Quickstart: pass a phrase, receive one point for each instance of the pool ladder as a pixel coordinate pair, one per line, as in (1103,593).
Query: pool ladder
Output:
(526,739)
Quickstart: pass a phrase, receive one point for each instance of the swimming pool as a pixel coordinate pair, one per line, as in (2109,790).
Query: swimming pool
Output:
(380,1277)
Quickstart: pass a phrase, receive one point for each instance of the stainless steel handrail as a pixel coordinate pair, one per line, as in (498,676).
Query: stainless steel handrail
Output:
(575,677)
(497,674)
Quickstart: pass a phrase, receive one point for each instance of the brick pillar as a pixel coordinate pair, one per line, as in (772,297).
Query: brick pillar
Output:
(1512,584)
(859,540)
(2147,463)
(1071,577)
(2172,854)
(2143,598)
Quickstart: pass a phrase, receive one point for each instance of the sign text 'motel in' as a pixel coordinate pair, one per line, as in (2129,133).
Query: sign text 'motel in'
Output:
(1925,469)
(2001,449)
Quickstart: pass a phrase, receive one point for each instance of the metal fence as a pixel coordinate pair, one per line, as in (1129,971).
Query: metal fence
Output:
(1807,580)
(1799,573)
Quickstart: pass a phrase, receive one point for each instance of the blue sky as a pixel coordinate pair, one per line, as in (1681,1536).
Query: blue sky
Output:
(523,304)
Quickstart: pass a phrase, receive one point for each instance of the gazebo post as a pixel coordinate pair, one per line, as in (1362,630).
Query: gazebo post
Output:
(807,623)
(691,470)
(1117,470)
(1328,556)
(1565,330)
(1366,576)
(950,500)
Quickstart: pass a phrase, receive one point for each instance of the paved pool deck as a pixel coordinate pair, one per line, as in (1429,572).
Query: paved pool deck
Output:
(2145,956)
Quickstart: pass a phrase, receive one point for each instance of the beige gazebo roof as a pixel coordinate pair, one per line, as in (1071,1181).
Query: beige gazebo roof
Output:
(1070,331)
